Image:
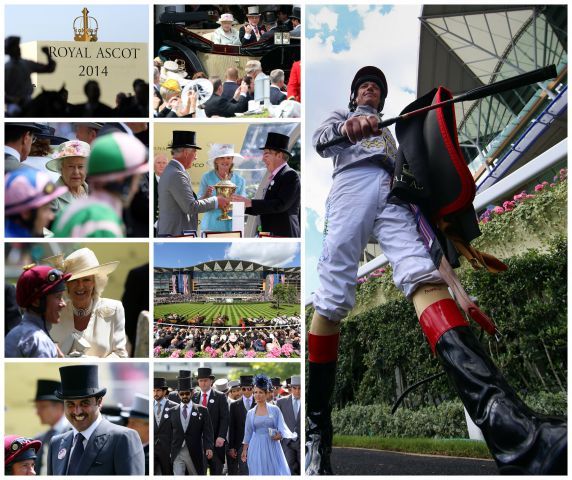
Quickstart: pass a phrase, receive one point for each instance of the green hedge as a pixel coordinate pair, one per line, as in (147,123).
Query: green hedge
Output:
(528,303)
(444,421)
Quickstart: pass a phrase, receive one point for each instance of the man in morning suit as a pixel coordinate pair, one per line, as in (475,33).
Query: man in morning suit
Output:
(237,421)
(162,430)
(192,434)
(18,139)
(279,209)
(94,446)
(290,408)
(179,206)
(218,412)
(219,106)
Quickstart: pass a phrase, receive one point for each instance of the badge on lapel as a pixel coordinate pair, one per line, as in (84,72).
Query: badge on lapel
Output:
(211,400)
(166,416)
(194,414)
(62,454)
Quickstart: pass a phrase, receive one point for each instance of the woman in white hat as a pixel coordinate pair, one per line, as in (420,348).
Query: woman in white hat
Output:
(226,34)
(90,326)
(70,161)
(221,158)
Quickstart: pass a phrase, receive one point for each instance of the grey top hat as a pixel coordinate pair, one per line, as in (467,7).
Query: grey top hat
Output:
(233,384)
(140,407)
(295,381)
(221,385)
(253,11)
(79,381)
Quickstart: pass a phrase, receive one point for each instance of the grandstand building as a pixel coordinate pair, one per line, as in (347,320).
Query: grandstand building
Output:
(224,280)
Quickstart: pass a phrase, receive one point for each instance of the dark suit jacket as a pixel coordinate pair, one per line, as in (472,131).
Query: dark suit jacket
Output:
(279,209)
(218,411)
(135,299)
(111,450)
(276,95)
(222,107)
(228,89)
(162,438)
(198,437)
(285,406)
(252,39)
(236,424)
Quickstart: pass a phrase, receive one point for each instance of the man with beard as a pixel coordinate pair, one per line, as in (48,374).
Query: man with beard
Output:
(94,446)
(162,430)
(192,433)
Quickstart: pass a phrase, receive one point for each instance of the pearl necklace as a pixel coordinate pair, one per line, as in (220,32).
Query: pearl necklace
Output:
(83,312)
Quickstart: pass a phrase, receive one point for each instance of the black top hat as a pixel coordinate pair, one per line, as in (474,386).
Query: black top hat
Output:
(295,13)
(79,381)
(185,384)
(246,380)
(184,374)
(205,372)
(48,134)
(160,382)
(183,139)
(25,126)
(45,390)
(277,141)
(276,382)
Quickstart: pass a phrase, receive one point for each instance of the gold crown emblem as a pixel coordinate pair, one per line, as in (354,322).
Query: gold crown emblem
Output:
(85,28)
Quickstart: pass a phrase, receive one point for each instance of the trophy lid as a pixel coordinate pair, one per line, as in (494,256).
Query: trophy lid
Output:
(225,183)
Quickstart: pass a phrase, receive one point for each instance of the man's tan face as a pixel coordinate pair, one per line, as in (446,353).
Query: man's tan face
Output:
(188,157)
(272,159)
(368,94)
(296,390)
(85,133)
(205,384)
(159,394)
(49,411)
(82,413)
(253,19)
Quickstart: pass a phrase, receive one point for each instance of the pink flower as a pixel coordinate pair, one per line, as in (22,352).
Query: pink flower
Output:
(539,187)
(157,350)
(498,210)
(287,349)
(231,353)
(175,354)
(189,354)
(485,220)
(508,206)
(552,185)
(250,354)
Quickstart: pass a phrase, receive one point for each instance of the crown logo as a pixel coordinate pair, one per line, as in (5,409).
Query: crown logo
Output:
(85,28)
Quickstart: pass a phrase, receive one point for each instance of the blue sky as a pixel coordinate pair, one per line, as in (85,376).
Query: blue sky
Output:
(190,253)
(117,23)
(340,40)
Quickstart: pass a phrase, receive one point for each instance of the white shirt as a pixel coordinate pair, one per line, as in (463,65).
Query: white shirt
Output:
(12,151)
(247,402)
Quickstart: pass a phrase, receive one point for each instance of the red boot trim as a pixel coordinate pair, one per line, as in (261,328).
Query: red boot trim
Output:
(440,317)
(323,348)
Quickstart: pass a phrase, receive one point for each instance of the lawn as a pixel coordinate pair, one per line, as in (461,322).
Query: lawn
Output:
(234,311)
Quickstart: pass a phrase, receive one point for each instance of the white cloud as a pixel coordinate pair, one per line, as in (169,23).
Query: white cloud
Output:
(270,254)
(324,16)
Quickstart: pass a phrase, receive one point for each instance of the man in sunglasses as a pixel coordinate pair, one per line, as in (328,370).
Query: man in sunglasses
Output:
(238,412)
(18,143)
(39,292)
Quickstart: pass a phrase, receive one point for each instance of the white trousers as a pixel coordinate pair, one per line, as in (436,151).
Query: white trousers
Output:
(356,209)
(183,460)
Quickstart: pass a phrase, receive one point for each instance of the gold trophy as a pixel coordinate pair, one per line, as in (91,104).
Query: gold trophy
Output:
(225,188)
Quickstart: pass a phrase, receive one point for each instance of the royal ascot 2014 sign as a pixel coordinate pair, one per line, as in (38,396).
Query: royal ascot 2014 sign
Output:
(114,65)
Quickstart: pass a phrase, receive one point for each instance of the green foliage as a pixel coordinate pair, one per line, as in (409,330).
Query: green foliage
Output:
(282,293)
(381,344)
(235,311)
(531,224)
(424,446)
(281,370)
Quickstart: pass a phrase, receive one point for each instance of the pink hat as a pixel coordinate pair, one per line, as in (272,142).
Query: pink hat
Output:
(71,148)
(27,188)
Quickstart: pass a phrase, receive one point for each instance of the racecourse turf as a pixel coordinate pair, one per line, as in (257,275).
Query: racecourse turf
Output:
(235,311)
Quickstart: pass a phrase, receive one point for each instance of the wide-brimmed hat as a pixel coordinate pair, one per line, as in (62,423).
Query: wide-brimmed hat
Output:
(27,188)
(171,84)
(205,372)
(45,390)
(79,381)
(81,263)
(139,409)
(160,382)
(226,17)
(71,148)
(18,449)
(37,281)
(184,139)
(253,11)
(222,150)
(47,133)
(232,338)
(25,126)
(115,156)
(295,13)
(277,141)
(221,385)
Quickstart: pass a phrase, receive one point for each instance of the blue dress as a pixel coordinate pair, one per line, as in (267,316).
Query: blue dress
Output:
(265,456)
(210,222)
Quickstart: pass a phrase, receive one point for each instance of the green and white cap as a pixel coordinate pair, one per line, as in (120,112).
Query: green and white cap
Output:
(116,156)
(87,218)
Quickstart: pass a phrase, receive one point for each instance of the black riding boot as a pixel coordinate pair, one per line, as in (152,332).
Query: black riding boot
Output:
(520,440)
(319,430)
